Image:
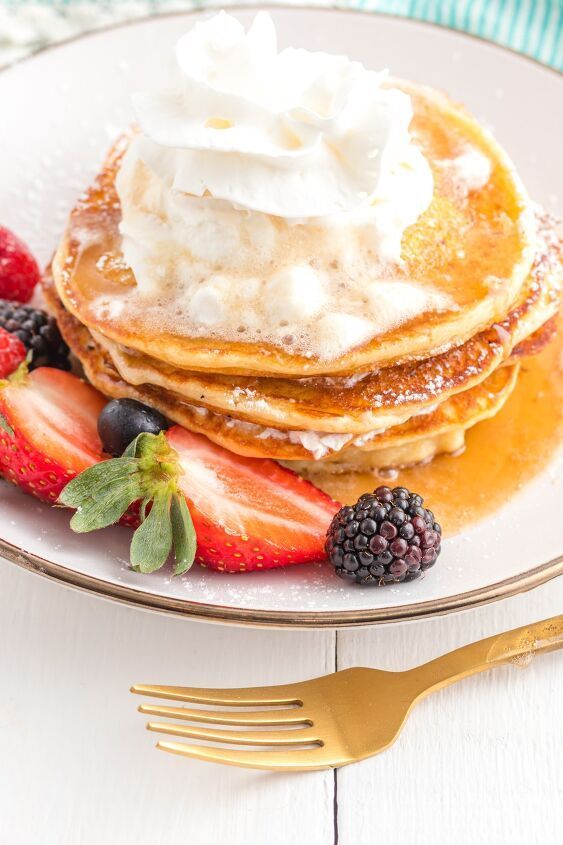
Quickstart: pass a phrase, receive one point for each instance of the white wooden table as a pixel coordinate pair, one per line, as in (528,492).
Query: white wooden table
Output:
(479,762)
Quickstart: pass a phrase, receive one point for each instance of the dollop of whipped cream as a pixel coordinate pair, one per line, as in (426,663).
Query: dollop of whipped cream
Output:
(295,134)
(265,186)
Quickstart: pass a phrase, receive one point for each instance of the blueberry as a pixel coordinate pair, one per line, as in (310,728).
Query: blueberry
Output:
(123,419)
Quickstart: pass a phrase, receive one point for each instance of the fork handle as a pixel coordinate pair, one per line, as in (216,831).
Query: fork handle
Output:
(493,651)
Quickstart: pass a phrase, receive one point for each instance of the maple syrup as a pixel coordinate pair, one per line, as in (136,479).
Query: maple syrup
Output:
(501,454)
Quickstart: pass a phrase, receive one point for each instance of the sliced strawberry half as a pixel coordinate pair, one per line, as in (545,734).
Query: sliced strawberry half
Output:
(48,429)
(249,513)
(230,513)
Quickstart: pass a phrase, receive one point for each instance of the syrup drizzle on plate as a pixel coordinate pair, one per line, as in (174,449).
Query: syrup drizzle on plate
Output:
(501,454)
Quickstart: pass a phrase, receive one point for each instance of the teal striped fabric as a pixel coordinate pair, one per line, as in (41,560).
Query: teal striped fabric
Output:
(532,27)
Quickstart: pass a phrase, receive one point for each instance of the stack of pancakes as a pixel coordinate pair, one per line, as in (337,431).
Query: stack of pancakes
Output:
(398,399)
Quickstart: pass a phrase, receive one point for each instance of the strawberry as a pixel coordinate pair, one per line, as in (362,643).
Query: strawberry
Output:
(19,272)
(176,488)
(241,513)
(249,513)
(47,429)
(12,353)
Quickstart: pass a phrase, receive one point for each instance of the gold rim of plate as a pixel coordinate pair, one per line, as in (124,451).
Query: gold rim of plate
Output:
(281,618)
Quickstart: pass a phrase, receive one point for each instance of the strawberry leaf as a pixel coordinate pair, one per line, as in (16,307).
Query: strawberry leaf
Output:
(152,540)
(133,448)
(183,533)
(143,508)
(102,494)
(147,473)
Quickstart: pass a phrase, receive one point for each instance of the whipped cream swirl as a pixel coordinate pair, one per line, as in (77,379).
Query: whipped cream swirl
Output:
(266,196)
(294,134)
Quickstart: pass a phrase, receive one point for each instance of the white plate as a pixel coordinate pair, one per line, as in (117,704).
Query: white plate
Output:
(60,111)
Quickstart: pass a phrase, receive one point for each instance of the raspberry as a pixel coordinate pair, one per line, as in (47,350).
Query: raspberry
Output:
(386,537)
(12,353)
(19,272)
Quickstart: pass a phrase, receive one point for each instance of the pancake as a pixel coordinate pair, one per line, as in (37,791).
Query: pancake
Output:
(475,247)
(367,402)
(419,438)
(422,438)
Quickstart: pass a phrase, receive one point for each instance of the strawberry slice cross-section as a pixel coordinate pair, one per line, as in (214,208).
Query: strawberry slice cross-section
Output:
(48,430)
(249,513)
(229,513)
(177,489)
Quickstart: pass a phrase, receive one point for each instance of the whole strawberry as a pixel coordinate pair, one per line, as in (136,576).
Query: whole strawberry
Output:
(12,353)
(19,272)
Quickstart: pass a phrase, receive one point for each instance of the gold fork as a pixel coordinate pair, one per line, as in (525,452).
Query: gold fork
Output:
(330,721)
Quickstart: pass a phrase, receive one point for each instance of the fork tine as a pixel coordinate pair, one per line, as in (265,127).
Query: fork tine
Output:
(229,717)
(281,761)
(241,697)
(305,736)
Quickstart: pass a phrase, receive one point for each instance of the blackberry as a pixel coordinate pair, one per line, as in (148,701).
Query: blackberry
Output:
(386,537)
(38,332)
